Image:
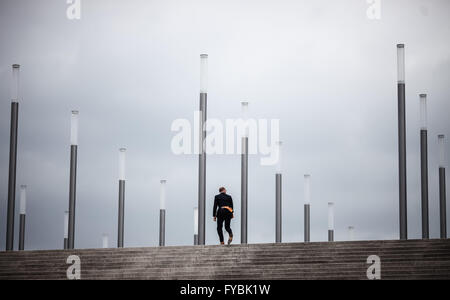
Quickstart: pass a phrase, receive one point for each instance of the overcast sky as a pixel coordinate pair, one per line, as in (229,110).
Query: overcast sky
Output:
(322,67)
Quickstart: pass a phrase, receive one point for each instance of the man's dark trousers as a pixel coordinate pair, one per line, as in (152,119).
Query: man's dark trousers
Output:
(224,215)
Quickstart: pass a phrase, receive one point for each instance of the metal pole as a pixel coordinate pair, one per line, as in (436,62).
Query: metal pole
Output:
(442,187)
(73,177)
(72,195)
(12,176)
(105,241)
(162,214)
(121,221)
(307,223)
(23,204)
(307,219)
(12,159)
(202,172)
(195,226)
(244,190)
(202,153)
(402,143)
(22,232)
(351,233)
(278,184)
(330,235)
(424,165)
(330,221)
(442,203)
(162,227)
(66,230)
(424,183)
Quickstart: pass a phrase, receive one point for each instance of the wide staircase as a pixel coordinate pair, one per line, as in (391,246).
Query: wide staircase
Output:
(412,259)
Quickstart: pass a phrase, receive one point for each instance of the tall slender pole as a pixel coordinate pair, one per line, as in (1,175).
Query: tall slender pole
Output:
(424,165)
(195,226)
(330,221)
(66,230)
(202,152)
(307,220)
(278,197)
(73,177)
(121,221)
(105,241)
(23,205)
(402,142)
(442,187)
(12,159)
(244,176)
(351,233)
(162,215)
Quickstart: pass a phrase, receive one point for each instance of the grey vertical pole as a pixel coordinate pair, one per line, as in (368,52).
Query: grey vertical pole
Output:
(244,190)
(12,160)
(278,214)
(402,143)
(330,221)
(162,227)
(202,174)
(307,223)
(66,230)
(330,235)
(442,203)
(121,221)
(307,219)
(12,176)
(424,167)
(73,177)
(121,214)
(162,214)
(195,226)
(195,239)
(424,183)
(202,153)
(278,195)
(22,232)
(72,195)
(23,204)
(442,189)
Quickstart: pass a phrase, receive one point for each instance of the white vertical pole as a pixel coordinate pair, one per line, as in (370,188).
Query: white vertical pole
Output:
(23,205)
(195,226)
(330,221)
(105,241)
(351,233)
(162,214)
(307,208)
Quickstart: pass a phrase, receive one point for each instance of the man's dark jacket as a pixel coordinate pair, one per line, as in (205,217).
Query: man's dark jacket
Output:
(222,200)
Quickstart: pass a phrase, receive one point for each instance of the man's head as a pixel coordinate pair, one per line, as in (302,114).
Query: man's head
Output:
(222,190)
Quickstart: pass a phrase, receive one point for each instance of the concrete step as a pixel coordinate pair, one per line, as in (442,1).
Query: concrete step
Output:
(299,258)
(29,255)
(270,275)
(416,259)
(300,246)
(235,258)
(431,265)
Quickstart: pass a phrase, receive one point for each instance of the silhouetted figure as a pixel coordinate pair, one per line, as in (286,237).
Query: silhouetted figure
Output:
(223,212)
